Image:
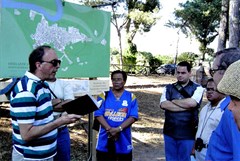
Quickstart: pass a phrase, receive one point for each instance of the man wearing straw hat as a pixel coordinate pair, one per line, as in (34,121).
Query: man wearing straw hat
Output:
(227,146)
(218,148)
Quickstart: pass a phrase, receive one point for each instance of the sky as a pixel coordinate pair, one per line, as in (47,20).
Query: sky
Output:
(161,39)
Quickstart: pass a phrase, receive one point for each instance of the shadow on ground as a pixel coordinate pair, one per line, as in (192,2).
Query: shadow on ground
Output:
(78,138)
(147,131)
(5,134)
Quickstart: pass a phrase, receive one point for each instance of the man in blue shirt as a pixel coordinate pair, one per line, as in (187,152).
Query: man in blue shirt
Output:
(116,115)
(223,144)
(181,101)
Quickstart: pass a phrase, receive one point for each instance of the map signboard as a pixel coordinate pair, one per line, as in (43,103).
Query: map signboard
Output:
(79,34)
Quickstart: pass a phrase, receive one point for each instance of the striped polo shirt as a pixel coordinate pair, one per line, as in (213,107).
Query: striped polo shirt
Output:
(30,103)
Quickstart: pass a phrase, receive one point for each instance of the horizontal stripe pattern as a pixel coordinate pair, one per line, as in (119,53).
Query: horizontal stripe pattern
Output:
(31,104)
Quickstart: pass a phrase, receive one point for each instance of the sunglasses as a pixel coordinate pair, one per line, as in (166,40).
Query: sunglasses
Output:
(54,62)
(210,89)
(213,71)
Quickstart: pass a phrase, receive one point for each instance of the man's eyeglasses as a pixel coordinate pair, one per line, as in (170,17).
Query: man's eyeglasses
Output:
(54,62)
(210,89)
(116,79)
(213,71)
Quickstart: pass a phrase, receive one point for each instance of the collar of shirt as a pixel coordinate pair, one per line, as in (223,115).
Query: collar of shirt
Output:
(32,76)
(218,105)
(224,103)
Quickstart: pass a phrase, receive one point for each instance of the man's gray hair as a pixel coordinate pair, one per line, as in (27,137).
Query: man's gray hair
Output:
(228,56)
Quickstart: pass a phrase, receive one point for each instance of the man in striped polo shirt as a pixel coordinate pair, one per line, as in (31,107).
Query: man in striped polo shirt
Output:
(34,128)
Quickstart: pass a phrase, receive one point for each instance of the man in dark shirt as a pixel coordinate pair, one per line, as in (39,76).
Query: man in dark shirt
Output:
(180,101)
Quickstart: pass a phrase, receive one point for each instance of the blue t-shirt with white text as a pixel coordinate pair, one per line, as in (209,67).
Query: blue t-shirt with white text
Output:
(116,111)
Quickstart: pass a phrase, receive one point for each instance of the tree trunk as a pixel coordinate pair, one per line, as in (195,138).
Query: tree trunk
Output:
(222,39)
(119,37)
(234,30)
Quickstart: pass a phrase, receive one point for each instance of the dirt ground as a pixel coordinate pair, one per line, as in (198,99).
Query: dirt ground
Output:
(147,131)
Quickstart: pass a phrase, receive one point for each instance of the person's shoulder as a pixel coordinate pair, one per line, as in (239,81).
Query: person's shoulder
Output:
(171,84)
(104,95)
(25,80)
(206,106)
(127,92)
(133,96)
(194,84)
(61,81)
(199,88)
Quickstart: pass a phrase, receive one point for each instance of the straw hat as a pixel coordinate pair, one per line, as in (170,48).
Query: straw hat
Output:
(230,83)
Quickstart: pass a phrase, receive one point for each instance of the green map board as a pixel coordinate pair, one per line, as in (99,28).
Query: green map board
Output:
(80,35)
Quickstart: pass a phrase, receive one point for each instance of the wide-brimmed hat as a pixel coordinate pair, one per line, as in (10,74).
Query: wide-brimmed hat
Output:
(230,83)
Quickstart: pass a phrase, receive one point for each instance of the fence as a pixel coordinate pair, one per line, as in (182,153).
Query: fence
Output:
(134,69)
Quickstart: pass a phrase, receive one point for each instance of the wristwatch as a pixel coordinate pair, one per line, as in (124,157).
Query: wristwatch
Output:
(120,128)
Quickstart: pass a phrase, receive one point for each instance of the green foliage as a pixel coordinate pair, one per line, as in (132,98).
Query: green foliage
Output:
(114,51)
(200,18)
(129,59)
(154,64)
(142,62)
(147,55)
(151,5)
(147,60)
(142,20)
(136,63)
(165,59)
(188,56)
(132,48)
(208,51)
(142,15)
(129,62)
(133,15)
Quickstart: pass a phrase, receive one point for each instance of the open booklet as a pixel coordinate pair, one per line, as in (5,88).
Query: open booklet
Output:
(82,105)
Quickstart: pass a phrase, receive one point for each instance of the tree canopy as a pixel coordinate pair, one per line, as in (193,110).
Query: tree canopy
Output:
(132,15)
(199,18)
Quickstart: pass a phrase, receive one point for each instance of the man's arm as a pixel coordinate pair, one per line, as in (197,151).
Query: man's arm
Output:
(236,113)
(29,131)
(58,103)
(168,105)
(189,103)
(186,103)
(103,122)
(113,131)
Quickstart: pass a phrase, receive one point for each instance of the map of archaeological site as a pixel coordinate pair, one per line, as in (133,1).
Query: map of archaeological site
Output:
(79,34)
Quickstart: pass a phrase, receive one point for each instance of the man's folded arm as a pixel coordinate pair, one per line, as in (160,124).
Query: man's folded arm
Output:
(168,105)
(186,103)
